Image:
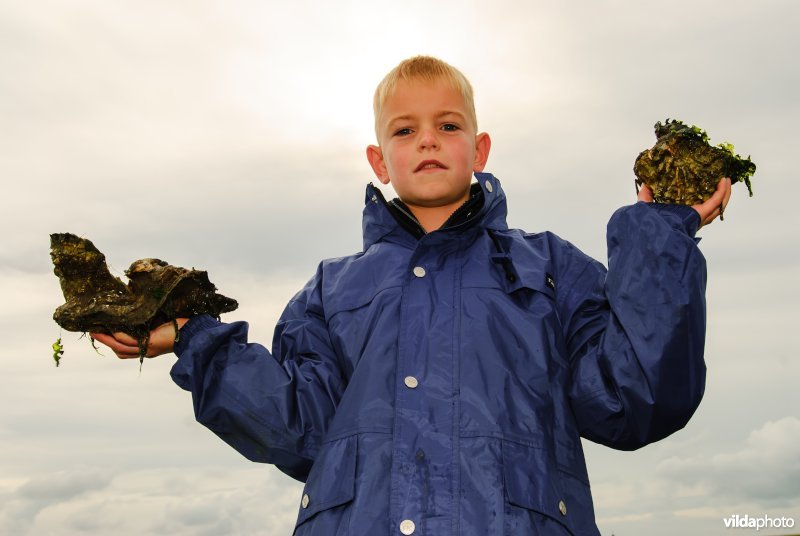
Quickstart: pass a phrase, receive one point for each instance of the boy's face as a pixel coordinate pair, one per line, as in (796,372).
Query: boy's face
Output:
(428,145)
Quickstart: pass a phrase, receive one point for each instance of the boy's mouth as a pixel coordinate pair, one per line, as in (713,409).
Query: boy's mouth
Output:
(429,164)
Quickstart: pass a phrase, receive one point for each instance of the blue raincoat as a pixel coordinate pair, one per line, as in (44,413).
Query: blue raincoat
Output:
(439,384)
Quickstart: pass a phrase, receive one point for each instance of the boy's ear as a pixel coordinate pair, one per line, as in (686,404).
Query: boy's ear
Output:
(375,157)
(483,143)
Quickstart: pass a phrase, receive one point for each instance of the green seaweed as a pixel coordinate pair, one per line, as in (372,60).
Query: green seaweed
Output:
(684,168)
(58,351)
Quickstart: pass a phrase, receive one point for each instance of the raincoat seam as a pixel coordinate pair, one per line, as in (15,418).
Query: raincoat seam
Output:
(590,396)
(355,432)
(397,425)
(503,437)
(456,393)
(308,446)
(363,302)
(566,469)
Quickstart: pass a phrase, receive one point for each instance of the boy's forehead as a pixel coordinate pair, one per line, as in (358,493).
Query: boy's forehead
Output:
(410,98)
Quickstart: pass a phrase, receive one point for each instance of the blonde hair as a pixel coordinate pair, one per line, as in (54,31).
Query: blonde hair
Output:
(428,69)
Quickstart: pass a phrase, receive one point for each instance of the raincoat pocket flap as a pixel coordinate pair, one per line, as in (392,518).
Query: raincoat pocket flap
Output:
(531,481)
(535,278)
(354,284)
(331,482)
(510,276)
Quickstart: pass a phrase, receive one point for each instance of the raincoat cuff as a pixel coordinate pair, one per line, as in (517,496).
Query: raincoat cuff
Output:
(195,325)
(680,217)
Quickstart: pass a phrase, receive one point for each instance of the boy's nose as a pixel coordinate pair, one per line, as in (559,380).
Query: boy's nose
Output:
(428,139)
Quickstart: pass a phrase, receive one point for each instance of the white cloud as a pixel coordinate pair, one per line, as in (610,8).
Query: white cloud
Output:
(193,500)
(765,470)
(62,485)
(21,508)
(694,484)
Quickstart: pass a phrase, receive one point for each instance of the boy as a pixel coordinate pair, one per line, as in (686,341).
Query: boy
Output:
(439,382)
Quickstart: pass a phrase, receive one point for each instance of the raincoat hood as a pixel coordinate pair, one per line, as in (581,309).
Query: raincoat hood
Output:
(379,222)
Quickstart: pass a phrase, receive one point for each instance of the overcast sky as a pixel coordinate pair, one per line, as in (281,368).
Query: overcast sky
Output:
(230,136)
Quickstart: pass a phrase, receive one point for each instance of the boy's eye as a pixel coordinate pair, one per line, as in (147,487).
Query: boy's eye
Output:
(449,127)
(402,132)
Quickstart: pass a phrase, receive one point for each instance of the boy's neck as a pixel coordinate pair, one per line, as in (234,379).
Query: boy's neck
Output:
(432,218)
(447,216)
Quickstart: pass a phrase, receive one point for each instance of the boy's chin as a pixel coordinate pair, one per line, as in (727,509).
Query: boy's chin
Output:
(434,202)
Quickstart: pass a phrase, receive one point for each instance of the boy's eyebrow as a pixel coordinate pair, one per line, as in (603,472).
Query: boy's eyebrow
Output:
(439,115)
(399,118)
(450,112)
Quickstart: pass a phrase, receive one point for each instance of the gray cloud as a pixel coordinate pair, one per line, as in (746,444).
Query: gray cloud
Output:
(20,509)
(766,469)
(63,485)
(191,501)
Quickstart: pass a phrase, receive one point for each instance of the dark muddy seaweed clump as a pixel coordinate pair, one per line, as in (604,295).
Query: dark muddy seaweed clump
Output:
(98,302)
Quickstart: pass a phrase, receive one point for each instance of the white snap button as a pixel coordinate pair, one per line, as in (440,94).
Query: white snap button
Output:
(419,271)
(305,501)
(411,382)
(562,508)
(407,527)
(488,186)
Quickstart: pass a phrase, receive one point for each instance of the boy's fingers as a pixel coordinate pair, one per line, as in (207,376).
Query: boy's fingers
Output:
(124,338)
(722,192)
(710,209)
(727,191)
(120,337)
(645,194)
(119,343)
(102,338)
(721,198)
(160,341)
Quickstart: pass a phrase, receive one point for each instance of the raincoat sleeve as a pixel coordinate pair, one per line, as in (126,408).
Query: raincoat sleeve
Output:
(271,407)
(636,334)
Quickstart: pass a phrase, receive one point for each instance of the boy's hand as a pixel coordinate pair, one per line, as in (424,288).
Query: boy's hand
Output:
(162,340)
(708,210)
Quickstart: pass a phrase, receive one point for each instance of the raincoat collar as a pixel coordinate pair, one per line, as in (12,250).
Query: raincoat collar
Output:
(379,223)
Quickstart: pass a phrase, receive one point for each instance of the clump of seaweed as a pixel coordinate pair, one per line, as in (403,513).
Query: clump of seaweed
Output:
(684,168)
(58,351)
(99,302)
